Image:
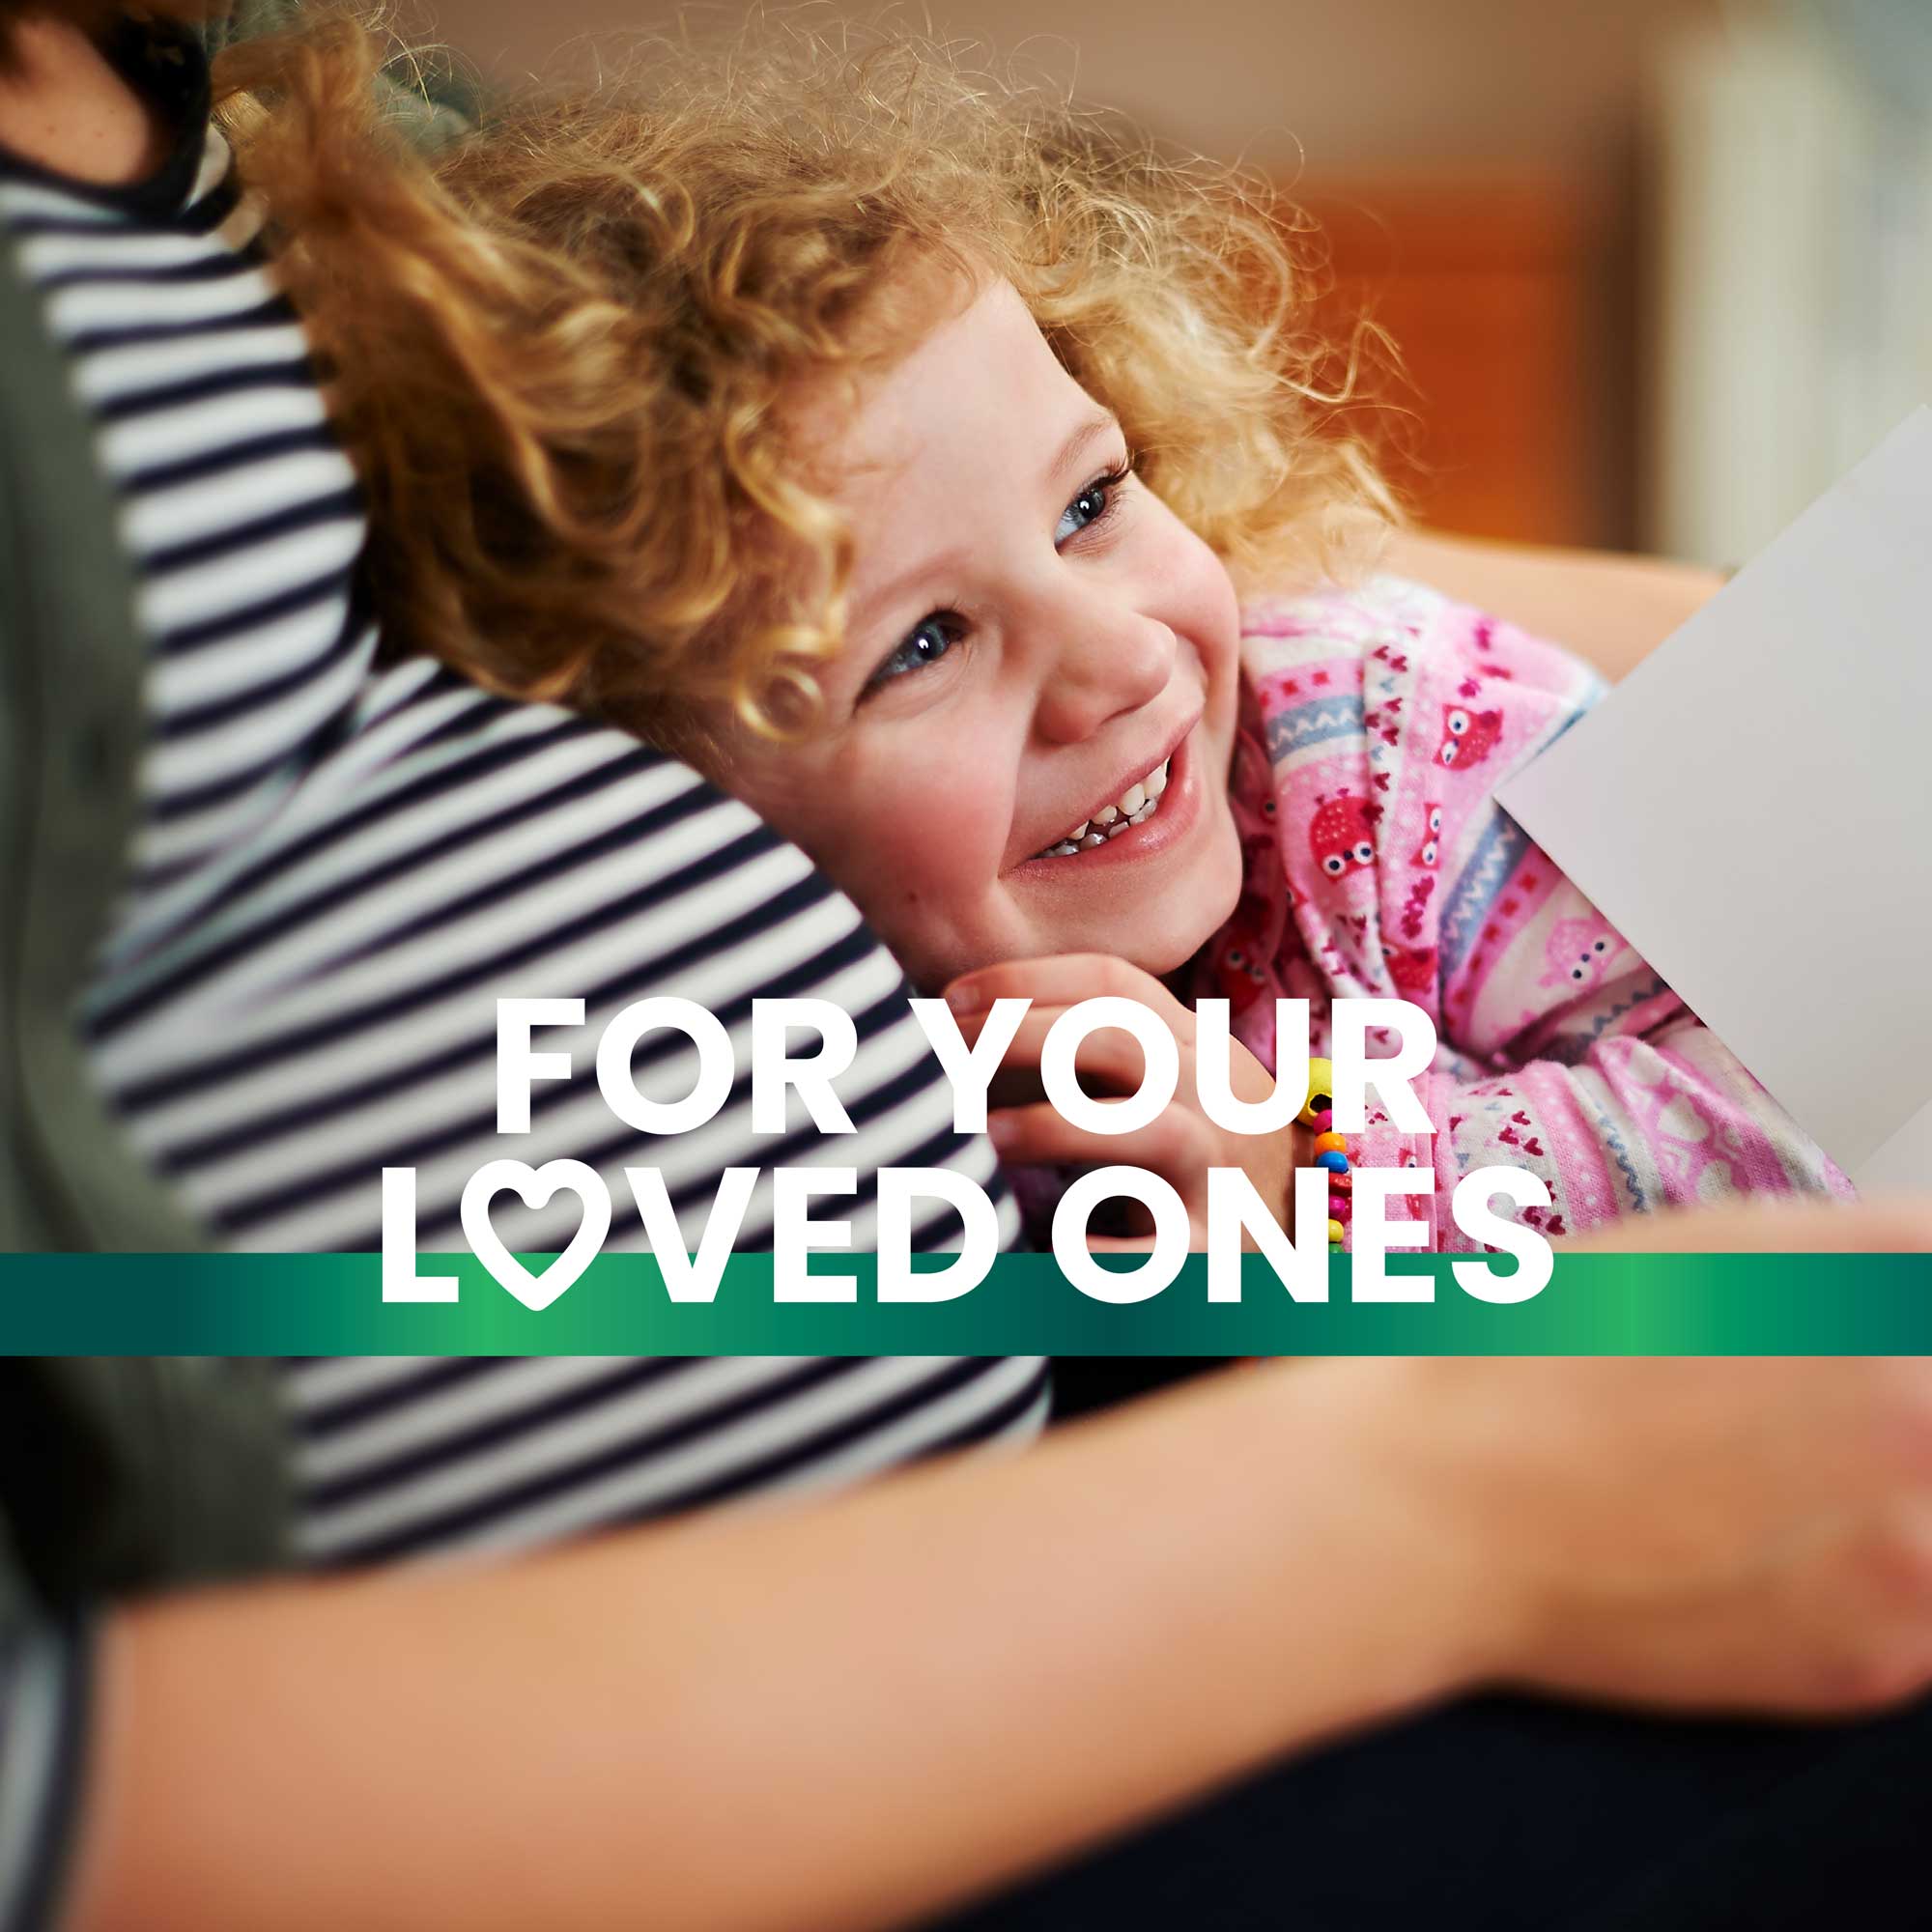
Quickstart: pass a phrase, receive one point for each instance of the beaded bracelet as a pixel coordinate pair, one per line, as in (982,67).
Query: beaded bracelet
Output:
(1331,1150)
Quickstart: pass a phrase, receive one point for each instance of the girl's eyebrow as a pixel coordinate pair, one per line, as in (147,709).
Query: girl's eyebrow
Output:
(1095,425)
(1087,431)
(860,615)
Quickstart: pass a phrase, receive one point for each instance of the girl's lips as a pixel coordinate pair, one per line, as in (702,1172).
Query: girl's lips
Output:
(1179,810)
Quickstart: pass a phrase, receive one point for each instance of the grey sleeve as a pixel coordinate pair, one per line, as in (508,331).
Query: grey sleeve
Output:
(45,1686)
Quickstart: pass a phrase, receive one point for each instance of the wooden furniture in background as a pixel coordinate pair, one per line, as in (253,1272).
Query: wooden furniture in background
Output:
(1509,416)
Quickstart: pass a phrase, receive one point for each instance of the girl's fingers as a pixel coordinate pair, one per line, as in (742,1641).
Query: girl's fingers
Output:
(1061,981)
(1169,1147)
(1108,1059)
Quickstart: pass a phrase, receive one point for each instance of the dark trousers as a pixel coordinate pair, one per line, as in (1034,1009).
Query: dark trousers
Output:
(1521,1816)
(1511,1814)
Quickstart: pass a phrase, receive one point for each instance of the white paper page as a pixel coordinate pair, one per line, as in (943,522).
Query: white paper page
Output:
(1752,809)
(1903,1165)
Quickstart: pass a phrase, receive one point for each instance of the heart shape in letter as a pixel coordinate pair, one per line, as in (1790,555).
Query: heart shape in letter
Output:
(534,1186)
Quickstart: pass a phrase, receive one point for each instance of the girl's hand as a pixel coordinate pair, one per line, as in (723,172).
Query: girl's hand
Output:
(1181,1146)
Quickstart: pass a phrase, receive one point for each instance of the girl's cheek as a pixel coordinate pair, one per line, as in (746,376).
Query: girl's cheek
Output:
(897,847)
(965,840)
(920,832)
(1204,605)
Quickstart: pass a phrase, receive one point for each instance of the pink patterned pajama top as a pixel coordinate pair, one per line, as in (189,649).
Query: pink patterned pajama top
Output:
(1379,723)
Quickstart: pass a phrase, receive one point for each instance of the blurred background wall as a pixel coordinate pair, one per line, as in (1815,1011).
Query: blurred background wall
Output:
(1658,269)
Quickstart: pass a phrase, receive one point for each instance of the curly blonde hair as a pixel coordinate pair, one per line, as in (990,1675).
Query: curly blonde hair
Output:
(566,350)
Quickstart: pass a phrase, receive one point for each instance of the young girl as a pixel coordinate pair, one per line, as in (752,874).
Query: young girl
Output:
(924,1688)
(956,480)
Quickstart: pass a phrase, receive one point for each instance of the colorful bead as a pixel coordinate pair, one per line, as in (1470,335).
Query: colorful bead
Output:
(1320,1088)
(1331,1150)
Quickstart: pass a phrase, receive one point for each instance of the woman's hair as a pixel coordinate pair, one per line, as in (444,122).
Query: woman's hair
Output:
(566,351)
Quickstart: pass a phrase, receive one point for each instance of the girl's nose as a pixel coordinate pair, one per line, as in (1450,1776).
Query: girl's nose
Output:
(1107,664)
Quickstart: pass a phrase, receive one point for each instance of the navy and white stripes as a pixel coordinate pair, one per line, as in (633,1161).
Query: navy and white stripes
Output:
(476,1457)
(238,509)
(342,866)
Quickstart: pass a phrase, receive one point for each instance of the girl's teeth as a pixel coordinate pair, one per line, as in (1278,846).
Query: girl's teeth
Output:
(1134,807)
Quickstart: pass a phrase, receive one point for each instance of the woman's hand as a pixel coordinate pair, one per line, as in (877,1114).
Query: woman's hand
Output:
(1682,1533)
(1181,1144)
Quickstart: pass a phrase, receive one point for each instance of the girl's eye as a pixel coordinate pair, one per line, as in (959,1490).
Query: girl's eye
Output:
(1092,505)
(925,644)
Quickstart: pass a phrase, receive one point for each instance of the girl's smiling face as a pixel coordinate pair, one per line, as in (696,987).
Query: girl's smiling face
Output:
(1035,644)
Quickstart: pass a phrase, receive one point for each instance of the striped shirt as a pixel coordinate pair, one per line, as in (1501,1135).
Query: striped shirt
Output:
(342,865)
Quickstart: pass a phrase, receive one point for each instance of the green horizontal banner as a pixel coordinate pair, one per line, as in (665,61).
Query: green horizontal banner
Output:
(333,1305)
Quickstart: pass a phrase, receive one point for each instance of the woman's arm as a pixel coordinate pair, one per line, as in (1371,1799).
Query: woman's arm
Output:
(840,1714)
(854,1713)
(1610,609)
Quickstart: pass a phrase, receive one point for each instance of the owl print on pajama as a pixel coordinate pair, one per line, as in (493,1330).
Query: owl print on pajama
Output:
(1377,723)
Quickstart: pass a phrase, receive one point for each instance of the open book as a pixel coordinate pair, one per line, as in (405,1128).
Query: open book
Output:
(1752,809)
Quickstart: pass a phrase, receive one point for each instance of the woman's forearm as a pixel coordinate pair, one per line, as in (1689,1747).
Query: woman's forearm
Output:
(836,1714)
(1611,611)
(853,1713)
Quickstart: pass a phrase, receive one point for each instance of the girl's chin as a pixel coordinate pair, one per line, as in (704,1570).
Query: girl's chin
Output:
(1174,952)
(1160,940)
(1213,890)
(1158,928)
